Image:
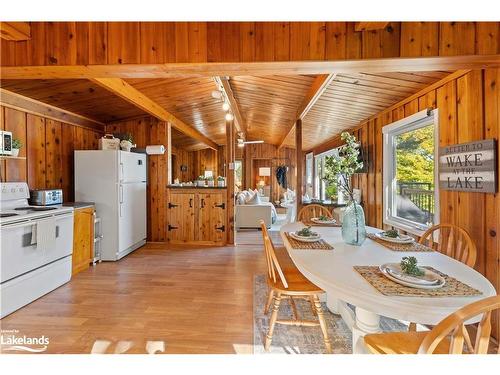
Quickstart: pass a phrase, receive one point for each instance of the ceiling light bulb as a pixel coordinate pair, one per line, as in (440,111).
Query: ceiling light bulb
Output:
(225,106)
(241,144)
(216,94)
(229,117)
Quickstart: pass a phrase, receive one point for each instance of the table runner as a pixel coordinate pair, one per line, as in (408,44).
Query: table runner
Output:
(452,287)
(411,247)
(299,245)
(313,224)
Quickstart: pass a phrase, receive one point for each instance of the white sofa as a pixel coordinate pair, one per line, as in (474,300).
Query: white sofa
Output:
(249,216)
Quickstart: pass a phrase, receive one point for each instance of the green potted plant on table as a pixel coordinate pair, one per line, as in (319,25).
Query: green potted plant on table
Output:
(210,181)
(221,181)
(200,181)
(16,146)
(339,170)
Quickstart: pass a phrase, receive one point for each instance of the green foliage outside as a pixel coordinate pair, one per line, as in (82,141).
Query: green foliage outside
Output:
(415,156)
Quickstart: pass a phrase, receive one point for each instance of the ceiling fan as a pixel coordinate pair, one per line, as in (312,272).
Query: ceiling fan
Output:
(242,142)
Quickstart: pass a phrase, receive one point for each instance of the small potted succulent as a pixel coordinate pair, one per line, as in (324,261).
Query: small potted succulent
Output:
(16,146)
(127,142)
(200,181)
(210,181)
(221,181)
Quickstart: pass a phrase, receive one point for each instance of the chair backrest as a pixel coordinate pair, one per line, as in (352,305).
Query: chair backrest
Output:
(273,265)
(454,324)
(452,241)
(306,213)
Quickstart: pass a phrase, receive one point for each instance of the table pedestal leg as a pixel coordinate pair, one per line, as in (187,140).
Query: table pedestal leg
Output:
(332,304)
(366,322)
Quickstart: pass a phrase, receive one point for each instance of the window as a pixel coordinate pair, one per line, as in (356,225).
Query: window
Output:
(309,174)
(410,158)
(321,188)
(238,174)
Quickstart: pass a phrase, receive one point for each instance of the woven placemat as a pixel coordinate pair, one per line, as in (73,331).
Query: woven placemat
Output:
(413,247)
(452,287)
(298,245)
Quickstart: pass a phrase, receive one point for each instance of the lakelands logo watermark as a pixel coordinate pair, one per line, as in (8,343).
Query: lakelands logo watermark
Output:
(11,340)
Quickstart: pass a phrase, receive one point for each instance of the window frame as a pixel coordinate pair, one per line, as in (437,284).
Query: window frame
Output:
(318,183)
(389,133)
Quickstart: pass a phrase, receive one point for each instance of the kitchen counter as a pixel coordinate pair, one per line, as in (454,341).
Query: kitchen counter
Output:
(195,187)
(77,205)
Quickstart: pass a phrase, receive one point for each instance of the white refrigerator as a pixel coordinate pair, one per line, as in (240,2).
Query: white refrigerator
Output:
(116,182)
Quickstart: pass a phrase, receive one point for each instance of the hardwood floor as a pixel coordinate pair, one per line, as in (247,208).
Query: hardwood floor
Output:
(194,300)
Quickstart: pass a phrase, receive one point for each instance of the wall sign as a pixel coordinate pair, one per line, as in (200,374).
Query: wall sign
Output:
(469,167)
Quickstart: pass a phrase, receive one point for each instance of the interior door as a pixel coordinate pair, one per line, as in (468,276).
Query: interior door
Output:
(211,222)
(132,214)
(181,218)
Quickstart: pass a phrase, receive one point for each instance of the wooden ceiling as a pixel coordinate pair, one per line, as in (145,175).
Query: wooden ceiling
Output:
(268,104)
(352,98)
(190,100)
(80,96)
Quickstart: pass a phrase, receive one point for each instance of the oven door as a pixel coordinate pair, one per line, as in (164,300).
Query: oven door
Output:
(19,255)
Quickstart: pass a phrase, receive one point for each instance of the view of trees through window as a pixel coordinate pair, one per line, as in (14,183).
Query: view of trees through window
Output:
(238,174)
(415,175)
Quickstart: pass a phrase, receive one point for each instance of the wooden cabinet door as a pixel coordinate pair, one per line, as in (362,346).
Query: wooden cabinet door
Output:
(181,218)
(211,218)
(83,239)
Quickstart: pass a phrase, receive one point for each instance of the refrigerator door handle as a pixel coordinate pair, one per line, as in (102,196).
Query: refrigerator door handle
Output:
(121,193)
(122,172)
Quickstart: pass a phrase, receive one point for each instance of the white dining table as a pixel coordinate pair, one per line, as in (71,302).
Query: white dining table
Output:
(332,271)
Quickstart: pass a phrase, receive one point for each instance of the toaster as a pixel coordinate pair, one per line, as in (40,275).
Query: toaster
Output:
(45,197)
(5,142)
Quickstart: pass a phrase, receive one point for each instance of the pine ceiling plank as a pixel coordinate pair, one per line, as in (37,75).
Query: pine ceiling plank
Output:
(134,96)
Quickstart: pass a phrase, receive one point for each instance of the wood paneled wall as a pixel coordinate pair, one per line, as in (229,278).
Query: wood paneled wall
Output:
(264,154)
(182,157)
(469,109)
(150,131)
(205,160)
(81,43)
(48,148)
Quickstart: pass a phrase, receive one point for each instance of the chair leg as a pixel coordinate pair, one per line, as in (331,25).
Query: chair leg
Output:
(322,323)
(412,327)
(269,300)
(272,322)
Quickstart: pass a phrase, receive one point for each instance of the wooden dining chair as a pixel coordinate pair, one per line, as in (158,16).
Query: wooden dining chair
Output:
(306,213)
(452,241)
(286,281)
(447,337)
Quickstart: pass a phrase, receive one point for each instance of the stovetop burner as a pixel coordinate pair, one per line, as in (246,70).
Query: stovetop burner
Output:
(8,214)
(30,208)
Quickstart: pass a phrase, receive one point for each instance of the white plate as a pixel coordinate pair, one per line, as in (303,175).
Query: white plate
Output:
(318,221)
(305,239)
(403,238)
(399,277)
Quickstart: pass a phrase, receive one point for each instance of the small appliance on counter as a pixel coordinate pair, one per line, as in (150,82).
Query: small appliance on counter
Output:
(5,142)
(46,197)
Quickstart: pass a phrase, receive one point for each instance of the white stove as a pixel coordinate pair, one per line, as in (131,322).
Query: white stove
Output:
(36,247)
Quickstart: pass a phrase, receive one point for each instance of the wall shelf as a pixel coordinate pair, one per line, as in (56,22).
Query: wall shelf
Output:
(6,157)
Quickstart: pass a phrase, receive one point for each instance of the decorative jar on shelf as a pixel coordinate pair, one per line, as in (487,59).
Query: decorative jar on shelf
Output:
(353,224)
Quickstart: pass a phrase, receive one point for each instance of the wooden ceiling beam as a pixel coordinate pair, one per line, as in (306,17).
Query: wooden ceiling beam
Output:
(240,123)
(15,31)
(23,103)
(318,87)
(132,95)
(379,65)
(369,26)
